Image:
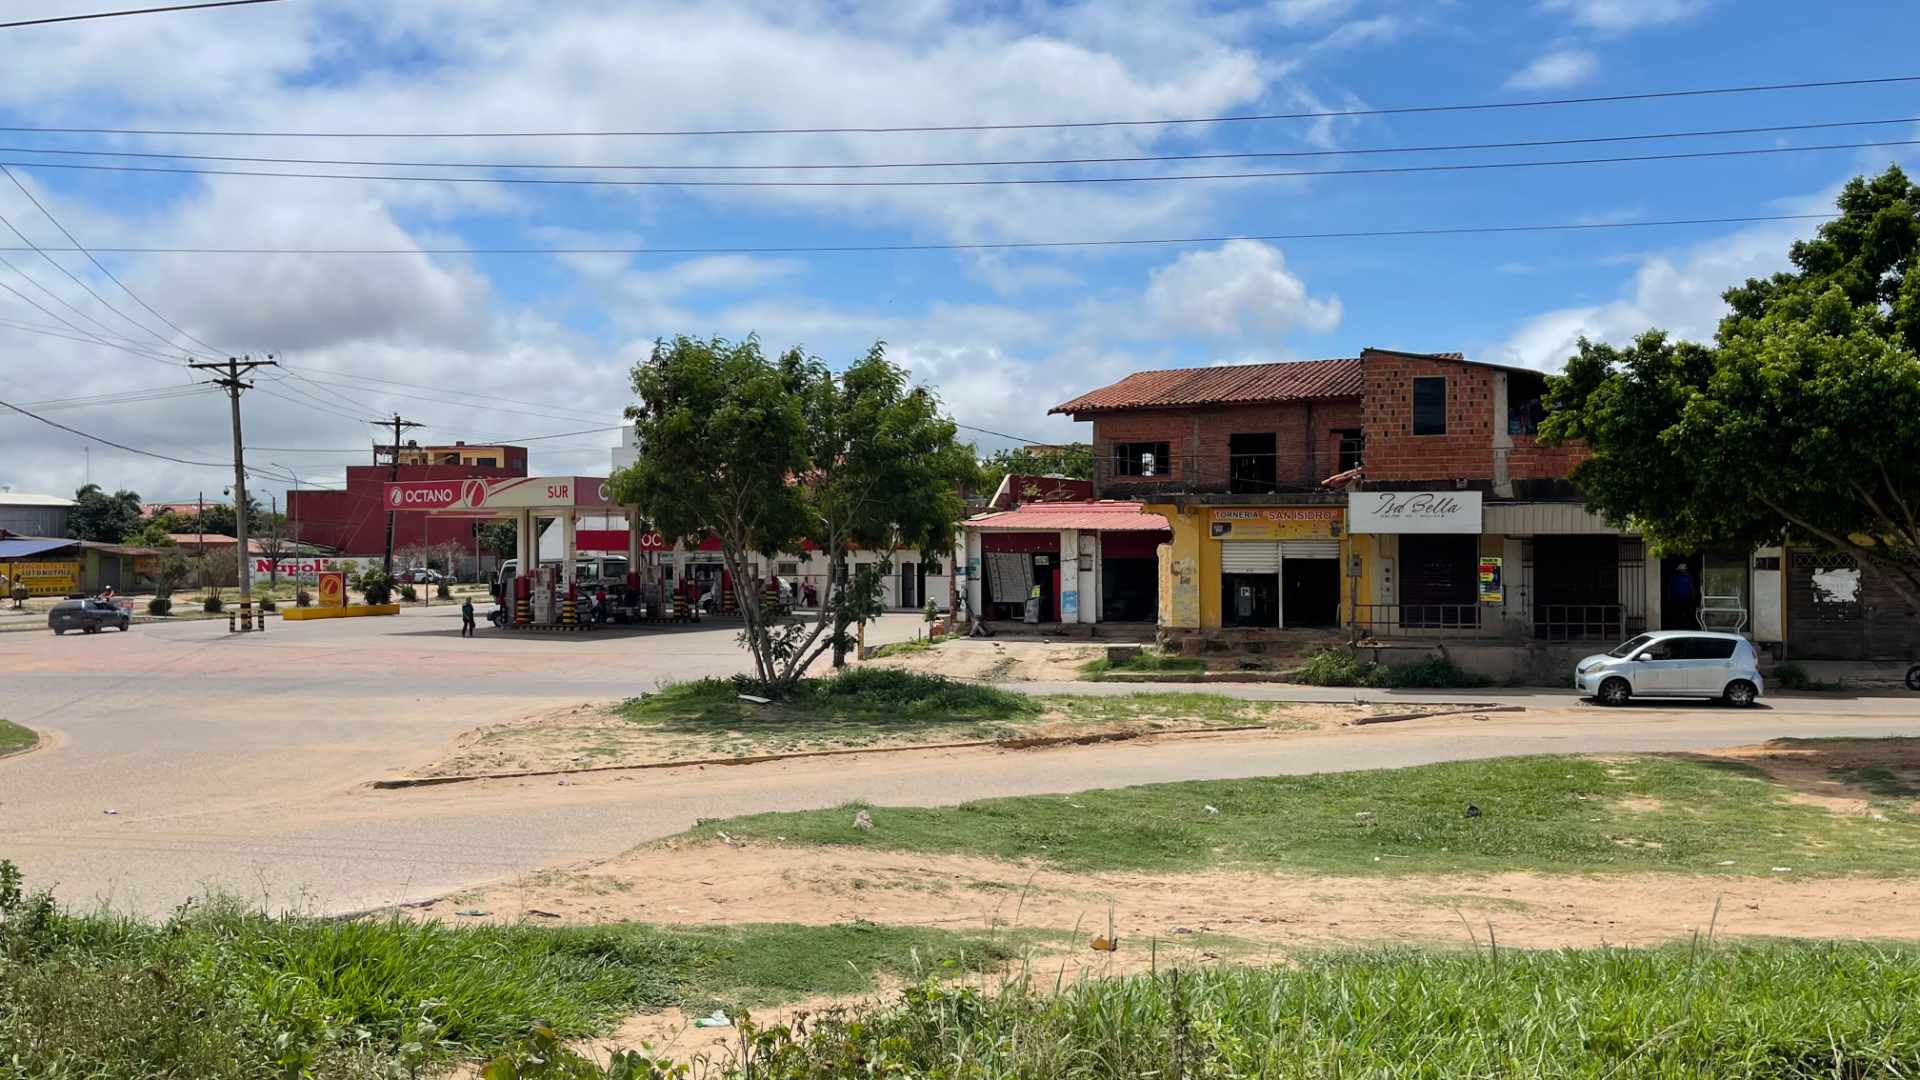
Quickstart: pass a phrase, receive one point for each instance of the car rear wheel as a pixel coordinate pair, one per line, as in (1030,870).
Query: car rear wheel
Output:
(58,630)
(1615,691)
(1741,693)
(94,629)
(1913,677)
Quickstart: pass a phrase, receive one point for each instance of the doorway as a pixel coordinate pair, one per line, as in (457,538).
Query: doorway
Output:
(1250,599)
(1439,580)
(1680,592)
(1310,592)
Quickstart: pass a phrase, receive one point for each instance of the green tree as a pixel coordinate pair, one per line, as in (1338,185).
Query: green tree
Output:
(101,517)
(772,454)
(1802,419)
(1072,460)
(499,538)
(219,519)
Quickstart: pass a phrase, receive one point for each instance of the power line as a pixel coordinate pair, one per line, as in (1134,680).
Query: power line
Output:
(1015,245)
(132,11)
(448,392)
(1001,434)
(441,400)
(86,335)
(1400,110)
(1028,181)
(115,445)
(98,265)
(1007,162)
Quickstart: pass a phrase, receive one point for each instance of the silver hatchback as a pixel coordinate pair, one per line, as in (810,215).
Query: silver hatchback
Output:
(1674,663)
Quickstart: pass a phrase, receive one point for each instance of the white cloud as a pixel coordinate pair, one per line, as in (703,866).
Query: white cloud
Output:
(1621,15)
(1676,292)
(1375,31)
(1241,287)
(1552,70)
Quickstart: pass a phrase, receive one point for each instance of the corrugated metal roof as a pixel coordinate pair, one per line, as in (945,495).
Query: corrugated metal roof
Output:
(1300,380)
(1106,516)
(21,498)
(27,549)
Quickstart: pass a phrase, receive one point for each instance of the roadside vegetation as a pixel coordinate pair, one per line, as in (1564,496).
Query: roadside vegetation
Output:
(15,738)
(216,992)
(1345,667)
(1795,677)
(1789,1010)
(1142,663)
(1626,814)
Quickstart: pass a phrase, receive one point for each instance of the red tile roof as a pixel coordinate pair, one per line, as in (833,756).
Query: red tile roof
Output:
(1106,516)
(1301,380)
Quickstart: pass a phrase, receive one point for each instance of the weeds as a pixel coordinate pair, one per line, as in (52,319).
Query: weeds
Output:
(1795,677)
(1142,663)
(1344,667)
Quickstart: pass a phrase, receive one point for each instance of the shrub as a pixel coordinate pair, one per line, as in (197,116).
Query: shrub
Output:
(303,598)
(376,586)
(442,591)
(160,605)
(408,593)
(1340,667)
(1435,673)
(1795,677)
(213,604)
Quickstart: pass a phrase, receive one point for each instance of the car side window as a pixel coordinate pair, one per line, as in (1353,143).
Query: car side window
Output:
(1664,650)
(1713,648)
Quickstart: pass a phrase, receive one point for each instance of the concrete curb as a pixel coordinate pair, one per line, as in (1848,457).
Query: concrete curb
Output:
(1452,711)
(1017,743)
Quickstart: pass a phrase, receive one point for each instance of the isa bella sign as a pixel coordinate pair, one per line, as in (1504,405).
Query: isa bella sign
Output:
(1413,512)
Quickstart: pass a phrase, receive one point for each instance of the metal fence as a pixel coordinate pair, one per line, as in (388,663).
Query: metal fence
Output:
(1431,620)
(1583,622)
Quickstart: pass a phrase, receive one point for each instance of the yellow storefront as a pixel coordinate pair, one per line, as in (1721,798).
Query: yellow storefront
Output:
(1253,567)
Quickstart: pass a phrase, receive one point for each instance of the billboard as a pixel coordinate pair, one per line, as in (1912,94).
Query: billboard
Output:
(482,497)
(1276,523)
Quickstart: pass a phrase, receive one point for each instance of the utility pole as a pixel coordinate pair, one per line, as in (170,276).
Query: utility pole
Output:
(273,552)
(231,373)
(393,474)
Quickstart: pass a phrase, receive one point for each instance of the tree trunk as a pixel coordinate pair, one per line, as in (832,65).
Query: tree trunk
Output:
(837,588)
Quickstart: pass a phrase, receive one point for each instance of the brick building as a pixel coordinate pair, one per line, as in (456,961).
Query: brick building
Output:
(1397,495)
(354,521)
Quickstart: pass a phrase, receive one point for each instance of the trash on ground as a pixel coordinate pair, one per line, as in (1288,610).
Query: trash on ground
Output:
(756,699)
(863,820)
(1105,944)
(716,1019)
(474,913)
(1472,810)
(1211,809)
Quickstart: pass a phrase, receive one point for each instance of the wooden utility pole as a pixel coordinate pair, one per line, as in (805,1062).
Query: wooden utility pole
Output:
(393,473)
(231,372)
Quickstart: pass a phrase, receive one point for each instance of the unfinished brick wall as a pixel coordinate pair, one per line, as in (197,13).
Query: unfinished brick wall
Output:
(1306,446)
(1466,451)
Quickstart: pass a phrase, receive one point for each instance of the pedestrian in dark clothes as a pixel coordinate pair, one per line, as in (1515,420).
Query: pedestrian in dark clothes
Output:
(466,617)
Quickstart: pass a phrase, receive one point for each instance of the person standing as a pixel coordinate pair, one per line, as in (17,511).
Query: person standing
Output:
(467,629)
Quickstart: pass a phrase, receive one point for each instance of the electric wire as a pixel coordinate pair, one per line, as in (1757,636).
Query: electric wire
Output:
(130,11)
(1322,114)
(116,445)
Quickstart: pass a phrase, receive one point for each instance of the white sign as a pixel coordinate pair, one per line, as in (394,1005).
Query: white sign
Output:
(1413,512)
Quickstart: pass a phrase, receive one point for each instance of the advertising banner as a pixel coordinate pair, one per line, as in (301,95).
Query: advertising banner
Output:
(333,590)
(42,578)
(1414,512)
(1276,523)
(482,497)
(1490,587)
(292,567)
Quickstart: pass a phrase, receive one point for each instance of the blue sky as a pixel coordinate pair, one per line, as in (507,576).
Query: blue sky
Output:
(521,345)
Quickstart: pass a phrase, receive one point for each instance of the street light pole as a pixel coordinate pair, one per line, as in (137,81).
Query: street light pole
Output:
(293,519)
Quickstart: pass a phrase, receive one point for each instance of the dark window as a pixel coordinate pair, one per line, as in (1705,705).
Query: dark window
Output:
(1250,464)
(1430,405)
(1707,648)
(1353,442)
(1526,394)
(1141,459)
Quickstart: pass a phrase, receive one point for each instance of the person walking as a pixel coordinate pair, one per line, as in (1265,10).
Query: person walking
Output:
(467,628)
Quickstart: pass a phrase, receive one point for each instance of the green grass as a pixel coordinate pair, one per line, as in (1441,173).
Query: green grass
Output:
(903,648)
(1344,667)
(1550,813)
(1795,677)
(854,707)
(1144,663)
(15,738)
(220,993)
(1773,1012)
(1196,709)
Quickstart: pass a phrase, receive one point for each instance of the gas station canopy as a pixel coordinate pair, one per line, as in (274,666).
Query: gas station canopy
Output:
(559,496)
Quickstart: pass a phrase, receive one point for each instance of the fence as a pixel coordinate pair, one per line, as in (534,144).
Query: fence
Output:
(1422,620)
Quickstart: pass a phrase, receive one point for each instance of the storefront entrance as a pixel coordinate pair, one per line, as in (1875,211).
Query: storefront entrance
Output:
(1289,583)
(1439,580)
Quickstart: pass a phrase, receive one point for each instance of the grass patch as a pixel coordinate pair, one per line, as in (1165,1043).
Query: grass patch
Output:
(220,993)
(1344,667)
(855,706)
(903,648)
(1197,709)
(14,738)
(1773,1011)
(1142,663)
(1547,813)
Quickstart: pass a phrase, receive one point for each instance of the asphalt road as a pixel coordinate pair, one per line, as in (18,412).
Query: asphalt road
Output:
(236,763)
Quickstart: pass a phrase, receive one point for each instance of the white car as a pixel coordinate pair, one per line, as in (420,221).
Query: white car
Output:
(1674,663)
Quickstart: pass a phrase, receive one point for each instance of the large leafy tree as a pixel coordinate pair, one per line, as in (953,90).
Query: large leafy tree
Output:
(1802,418)
(98,516)
(771,454)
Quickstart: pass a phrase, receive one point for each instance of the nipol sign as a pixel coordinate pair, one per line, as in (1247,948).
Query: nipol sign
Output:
(1413,512)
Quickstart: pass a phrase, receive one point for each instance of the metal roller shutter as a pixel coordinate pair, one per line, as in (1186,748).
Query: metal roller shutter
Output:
(1249,557)
(1310,549)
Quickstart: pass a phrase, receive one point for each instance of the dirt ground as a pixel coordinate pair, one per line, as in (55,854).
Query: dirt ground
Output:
(592,736)
(998,661)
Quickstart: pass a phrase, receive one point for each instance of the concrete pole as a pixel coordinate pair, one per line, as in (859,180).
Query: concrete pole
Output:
(567,527)
(633,538)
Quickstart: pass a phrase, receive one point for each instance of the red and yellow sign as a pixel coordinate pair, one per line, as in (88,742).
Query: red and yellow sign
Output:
(41,578)
(1276,523)
(333,590)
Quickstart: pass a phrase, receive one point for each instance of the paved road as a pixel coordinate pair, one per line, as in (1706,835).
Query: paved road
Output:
(235,763)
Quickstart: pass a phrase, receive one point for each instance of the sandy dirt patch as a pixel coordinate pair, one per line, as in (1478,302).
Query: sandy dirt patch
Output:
(1846,776)
(596,736)
(1235,913)
(980,660)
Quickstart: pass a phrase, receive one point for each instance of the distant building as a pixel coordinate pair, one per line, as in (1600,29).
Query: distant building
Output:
(354,521)
(182,509)
(33,515)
